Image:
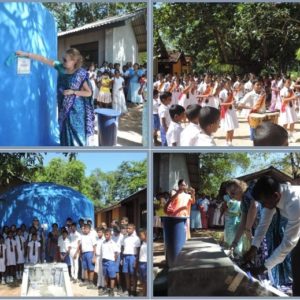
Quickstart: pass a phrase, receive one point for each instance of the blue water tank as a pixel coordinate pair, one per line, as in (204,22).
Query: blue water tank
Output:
(28,102)
(49,202)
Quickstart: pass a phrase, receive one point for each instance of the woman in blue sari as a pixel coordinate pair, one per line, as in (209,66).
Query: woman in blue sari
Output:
(134,84)
(74,97)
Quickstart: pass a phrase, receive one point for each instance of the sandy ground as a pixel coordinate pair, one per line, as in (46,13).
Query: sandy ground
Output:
(242,135)
(130,127)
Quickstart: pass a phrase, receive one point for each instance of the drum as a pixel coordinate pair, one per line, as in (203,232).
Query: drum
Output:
(256,119)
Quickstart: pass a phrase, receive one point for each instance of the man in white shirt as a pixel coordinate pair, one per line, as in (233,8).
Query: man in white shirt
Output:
(284,199)
(110,253)
(130,247)
(88,255)
(75,238)
(254,101)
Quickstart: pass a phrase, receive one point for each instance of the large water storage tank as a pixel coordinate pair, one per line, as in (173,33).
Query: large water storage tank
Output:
(28,101)
(50,203)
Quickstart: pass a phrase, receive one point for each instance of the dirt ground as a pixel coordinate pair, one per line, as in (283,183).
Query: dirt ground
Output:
(242,135)
(130,127)
(14,290)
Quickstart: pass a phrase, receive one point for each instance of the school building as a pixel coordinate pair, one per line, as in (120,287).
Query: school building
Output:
(171,61)
(117,39)
(134,207)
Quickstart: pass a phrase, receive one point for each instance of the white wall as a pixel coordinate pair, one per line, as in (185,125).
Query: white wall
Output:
(66,42)
(109,55)
(125,47)
(172,168)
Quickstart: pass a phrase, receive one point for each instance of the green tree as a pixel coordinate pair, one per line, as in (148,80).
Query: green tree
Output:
(214,168)
(247,37)
(71,15)
(20,165)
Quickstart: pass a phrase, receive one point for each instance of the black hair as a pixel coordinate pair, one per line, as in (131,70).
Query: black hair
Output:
(192,111)
(155,92)
(265,187)
(107,231)
(116,229)
(100,229)
(175,109)
(208,116)
(165,95)
(270,134)
(143,230)
(259,79)
(74,224)
(180,181)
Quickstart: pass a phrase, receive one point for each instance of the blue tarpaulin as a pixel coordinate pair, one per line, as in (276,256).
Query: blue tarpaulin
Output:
(28,102)
(50,203)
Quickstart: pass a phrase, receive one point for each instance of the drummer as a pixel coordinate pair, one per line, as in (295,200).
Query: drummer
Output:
(254,101)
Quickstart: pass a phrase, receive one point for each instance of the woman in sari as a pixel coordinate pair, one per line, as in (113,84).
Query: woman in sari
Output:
(74,97)
(134,84)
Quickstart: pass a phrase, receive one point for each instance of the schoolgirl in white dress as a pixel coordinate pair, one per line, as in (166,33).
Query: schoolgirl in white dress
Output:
(288,115)
(229,120)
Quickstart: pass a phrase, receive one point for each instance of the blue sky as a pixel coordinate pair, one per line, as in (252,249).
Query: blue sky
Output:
(105,161)
(258,164)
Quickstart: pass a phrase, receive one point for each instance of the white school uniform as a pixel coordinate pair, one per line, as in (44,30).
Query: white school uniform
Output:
(98,253)
(211,101)
(188,99)
(163,112)
(20,241)
(75,238)
(88,241)
(63,244)
(290,115)
(250,99)
(118,239)
(33,258)
(156,104)
(119,102)
(109,248)
(202,87)
(205,140)
(176,94)
(10,252)
(173,134)
(143,252)
(2,259)
(230,121)
(189,135)
(248,86)
(25,235)
(131,243)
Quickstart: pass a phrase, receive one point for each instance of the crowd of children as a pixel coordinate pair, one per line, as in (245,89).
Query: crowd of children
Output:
(113,86)
(188,110)
(108,259)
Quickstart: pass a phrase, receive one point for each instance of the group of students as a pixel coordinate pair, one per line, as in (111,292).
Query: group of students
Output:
(113,86)
(110,260)
(203,103)
(262,229)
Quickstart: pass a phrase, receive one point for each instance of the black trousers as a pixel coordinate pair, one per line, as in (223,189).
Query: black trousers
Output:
(295,256)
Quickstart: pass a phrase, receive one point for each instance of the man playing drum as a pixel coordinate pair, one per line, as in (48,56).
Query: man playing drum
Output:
(255,102)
